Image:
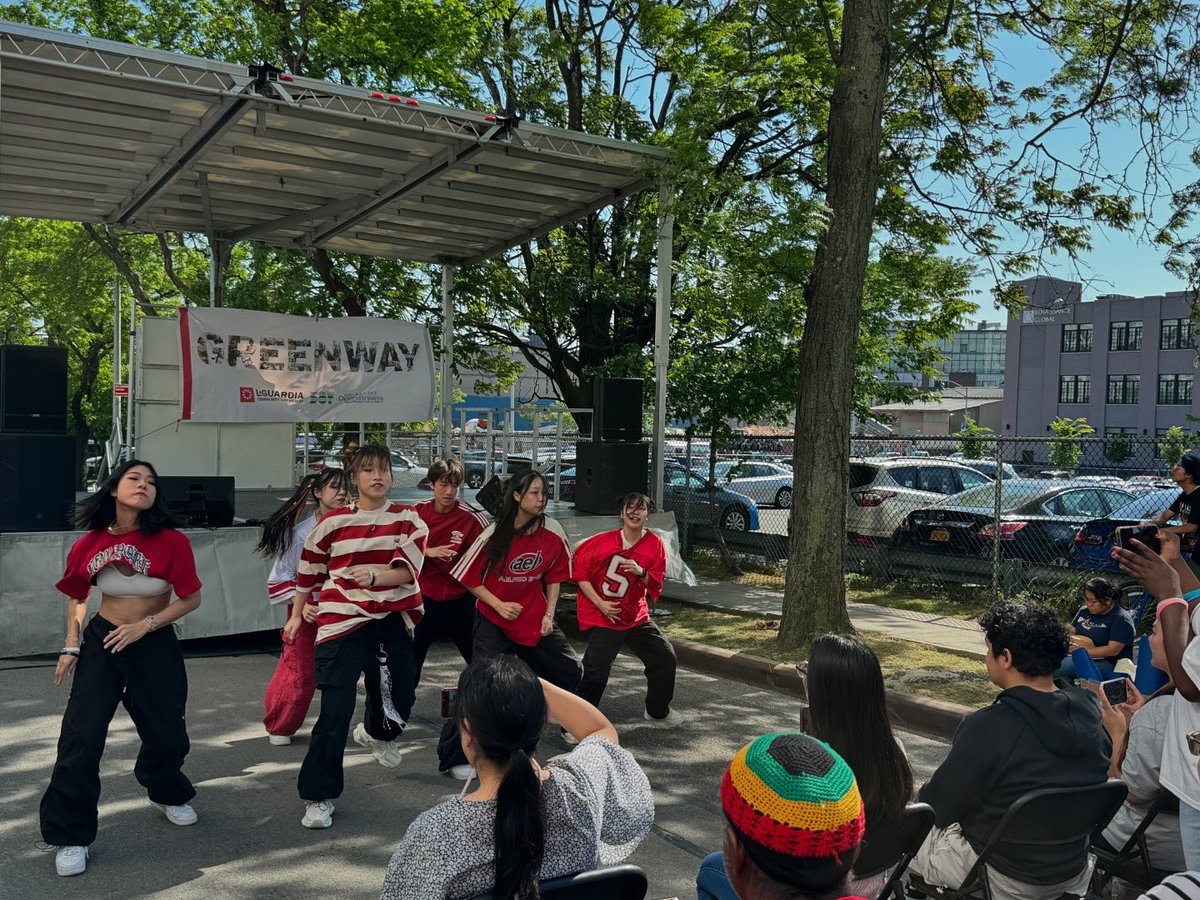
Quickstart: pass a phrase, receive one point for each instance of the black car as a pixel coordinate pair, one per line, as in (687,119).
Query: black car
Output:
(1039,519)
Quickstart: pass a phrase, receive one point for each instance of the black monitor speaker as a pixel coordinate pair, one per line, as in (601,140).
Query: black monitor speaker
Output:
(617,410)
(33,389)
(200,501)
(37,482)
(606,472)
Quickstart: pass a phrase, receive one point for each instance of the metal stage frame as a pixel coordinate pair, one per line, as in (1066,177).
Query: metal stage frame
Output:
(104,132)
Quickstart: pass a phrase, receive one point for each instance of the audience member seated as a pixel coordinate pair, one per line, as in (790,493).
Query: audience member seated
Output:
(524,822)
(1103,627)
(1033,736)
(793,823)
(1137,755)
(1170,579)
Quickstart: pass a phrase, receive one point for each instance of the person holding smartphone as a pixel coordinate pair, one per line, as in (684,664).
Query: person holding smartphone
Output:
(1186,508)
(1103,627)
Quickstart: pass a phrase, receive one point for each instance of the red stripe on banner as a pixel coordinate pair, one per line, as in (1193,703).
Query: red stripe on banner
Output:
(185,356)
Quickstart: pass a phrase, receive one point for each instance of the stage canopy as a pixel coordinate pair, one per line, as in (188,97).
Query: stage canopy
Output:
(99,131)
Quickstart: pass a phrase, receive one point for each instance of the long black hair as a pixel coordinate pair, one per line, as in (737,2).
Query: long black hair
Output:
(276,535)
(502,703)
(498,545)
(848,710)
(100,509)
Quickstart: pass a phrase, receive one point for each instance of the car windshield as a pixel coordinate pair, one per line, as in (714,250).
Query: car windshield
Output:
(1146,505)
(1012,495)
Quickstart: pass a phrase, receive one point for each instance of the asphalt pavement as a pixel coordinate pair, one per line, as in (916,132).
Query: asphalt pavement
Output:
(249,842)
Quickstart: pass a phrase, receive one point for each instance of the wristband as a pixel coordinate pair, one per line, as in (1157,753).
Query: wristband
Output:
(372,584)
(69,651)
(1192,595)
(151,623)
(1170,601)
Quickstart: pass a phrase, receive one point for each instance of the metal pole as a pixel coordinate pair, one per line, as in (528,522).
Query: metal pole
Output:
(447,417)
(558,457)
(116,360)
(996,520)
(130,431)
(662,320)
(214,272)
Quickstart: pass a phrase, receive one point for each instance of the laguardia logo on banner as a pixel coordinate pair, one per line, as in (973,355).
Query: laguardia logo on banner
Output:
(244,366)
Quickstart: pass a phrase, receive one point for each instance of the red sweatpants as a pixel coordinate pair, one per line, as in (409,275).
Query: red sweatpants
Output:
(291,688)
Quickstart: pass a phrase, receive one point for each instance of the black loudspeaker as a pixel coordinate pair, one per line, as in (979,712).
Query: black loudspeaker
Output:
(606,472)
(37,482)
(201,501)
(33,389)
(491,495)
(617,410)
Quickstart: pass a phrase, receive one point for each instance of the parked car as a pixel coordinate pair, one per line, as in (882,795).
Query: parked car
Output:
(1038,520)
(406,471)
(1101,479)
(1148,482)
(764,482)
(687,494)
(568,482)
(1094,543)
(988,467)
(883,490)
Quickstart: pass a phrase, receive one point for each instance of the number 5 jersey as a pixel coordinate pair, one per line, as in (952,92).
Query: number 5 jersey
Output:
(597,561)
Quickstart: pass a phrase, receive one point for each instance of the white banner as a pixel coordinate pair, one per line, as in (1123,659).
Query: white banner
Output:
(244,366)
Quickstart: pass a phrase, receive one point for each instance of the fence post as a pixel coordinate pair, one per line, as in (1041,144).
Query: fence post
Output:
(687,494)
(996,519)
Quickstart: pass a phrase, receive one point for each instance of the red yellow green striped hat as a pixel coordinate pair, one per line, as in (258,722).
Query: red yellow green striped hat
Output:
(795,805)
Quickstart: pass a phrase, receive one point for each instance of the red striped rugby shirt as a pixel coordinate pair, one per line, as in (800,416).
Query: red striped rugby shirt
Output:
(392,535)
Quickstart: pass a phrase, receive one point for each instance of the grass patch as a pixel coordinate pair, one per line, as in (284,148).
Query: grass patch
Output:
(907,666)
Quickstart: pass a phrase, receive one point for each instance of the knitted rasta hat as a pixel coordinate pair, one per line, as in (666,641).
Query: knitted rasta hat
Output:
(795,806)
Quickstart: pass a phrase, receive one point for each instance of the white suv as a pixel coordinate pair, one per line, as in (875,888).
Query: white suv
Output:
(885,490)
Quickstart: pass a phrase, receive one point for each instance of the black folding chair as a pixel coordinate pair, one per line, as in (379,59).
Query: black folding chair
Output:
(915,823)
(1132,862)
(617,883)
(1053,817)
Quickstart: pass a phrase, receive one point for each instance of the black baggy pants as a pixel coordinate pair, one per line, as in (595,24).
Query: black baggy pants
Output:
(649,645)
(149,678)
(340,662)
(453,619)
(552,658)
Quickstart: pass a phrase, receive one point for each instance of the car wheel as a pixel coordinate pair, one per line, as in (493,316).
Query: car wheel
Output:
(475,480)
(783,499)
(736,518)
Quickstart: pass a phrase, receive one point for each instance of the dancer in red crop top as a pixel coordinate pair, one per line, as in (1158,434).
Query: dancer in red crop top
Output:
(128,653)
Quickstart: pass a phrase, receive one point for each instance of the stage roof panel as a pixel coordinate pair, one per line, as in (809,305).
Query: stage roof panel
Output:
(99,131)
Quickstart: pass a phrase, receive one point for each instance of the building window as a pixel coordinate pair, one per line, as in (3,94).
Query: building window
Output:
(1176,334)
(1175,390)
(1075,389)
(1123,388)
(1125,336)
(1077,338)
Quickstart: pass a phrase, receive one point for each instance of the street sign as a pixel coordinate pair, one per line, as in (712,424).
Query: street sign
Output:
(120,390)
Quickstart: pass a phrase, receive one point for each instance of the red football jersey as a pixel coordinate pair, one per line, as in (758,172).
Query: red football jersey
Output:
(458,528)
(534,562)
(596,562)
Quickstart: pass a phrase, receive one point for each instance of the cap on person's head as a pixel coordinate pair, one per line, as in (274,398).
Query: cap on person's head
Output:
(795,807)
(1190,463)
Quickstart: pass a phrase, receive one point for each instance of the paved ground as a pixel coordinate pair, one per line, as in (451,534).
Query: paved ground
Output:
(944,632)
(249,843)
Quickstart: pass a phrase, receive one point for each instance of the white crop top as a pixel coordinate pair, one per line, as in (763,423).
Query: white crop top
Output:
(115,583)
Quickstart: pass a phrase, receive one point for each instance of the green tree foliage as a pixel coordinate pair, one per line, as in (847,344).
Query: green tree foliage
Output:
(974,440)
(1118,449)
(1066,449)
(1173,444)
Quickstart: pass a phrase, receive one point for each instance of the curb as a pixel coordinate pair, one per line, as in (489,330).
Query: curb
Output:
(908,711)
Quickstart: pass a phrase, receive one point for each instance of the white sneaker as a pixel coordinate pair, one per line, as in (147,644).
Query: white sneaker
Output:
(318,814)
(568,737)
(386,753)
(178,815)
(71,860)
(279,740)
(463,772)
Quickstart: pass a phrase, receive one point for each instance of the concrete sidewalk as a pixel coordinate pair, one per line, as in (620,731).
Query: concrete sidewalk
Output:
(943,632)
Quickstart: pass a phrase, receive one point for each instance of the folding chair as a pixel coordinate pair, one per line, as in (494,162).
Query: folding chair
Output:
(1052,817)
(915,823)
(1132,862)
(617,883)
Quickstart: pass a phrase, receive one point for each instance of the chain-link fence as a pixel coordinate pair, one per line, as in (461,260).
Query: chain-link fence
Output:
(1009,515)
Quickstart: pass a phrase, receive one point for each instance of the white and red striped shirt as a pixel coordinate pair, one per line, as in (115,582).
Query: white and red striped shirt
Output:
(281,583)
(457,529)
(392,535)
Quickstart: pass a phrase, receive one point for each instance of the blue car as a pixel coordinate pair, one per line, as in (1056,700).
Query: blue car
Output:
(687,494)
(1094,542)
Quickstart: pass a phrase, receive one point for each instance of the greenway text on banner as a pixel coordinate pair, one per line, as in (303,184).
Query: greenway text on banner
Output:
(244,366)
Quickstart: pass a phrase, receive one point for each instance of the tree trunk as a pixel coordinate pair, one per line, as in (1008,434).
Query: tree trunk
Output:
(815,592)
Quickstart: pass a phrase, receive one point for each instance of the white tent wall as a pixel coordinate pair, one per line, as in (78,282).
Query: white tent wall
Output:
(257,455)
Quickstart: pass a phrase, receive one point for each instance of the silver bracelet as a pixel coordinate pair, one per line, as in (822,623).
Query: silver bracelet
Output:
(150,621)
(69,651)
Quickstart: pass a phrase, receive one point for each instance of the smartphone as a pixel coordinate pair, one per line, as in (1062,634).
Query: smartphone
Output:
(449,695)
(1193,742)
(1147,534)
(1116,690)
